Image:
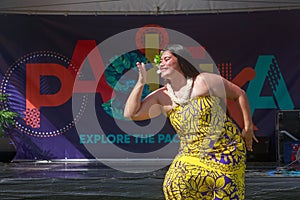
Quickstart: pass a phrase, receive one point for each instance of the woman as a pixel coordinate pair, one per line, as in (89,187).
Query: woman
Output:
(212,154)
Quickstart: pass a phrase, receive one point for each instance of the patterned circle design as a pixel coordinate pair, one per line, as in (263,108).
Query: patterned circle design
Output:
(13,84)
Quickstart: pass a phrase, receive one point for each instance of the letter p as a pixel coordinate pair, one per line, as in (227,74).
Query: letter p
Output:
(34,98)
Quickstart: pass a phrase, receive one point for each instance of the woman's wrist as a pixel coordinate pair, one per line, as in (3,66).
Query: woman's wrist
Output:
(140,83)
(248,127)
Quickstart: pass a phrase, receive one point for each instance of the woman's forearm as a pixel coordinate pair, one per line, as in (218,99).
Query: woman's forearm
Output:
(247,132)
(245,110)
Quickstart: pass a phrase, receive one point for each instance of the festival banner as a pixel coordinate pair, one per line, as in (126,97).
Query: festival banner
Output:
(69,77)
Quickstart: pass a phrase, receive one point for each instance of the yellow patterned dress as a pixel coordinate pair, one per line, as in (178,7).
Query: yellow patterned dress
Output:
(212,154)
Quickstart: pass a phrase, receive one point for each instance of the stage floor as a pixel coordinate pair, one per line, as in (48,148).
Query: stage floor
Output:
(93,180)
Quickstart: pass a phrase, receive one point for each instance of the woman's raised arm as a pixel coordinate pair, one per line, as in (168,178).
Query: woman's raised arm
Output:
(135,108)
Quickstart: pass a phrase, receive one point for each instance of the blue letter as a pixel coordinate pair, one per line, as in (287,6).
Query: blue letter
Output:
(267,67)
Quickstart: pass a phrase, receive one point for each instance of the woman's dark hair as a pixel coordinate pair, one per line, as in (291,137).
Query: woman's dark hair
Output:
(185,60)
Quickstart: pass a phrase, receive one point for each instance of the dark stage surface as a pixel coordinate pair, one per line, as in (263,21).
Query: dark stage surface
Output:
(93,180)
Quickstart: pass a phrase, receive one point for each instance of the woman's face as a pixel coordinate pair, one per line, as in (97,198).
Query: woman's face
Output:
(169,65)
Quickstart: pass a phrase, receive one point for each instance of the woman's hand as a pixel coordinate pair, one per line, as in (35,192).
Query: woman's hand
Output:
(248,136)
(142,73)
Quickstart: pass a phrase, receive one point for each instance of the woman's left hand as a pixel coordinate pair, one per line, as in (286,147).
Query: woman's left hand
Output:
(248,136)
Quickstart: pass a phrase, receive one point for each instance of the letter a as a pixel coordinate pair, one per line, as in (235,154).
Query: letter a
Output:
(267,67)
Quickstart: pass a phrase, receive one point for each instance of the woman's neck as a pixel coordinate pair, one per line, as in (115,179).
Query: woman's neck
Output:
(178,82)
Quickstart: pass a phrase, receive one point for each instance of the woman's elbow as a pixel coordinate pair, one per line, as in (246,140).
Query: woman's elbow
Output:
(241,94)
(127,114)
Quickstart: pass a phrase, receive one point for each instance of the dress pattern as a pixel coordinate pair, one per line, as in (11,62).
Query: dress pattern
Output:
(210,163)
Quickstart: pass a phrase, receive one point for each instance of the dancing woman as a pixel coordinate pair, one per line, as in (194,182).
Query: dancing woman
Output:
(210,163)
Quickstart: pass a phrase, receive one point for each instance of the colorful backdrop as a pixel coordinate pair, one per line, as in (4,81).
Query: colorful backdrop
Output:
(62,81)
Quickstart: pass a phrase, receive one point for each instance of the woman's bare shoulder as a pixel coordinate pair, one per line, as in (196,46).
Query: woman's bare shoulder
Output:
(200,78)
(208,83)
(209,78)
(158,92)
